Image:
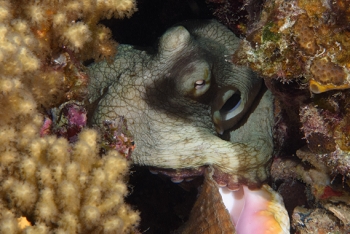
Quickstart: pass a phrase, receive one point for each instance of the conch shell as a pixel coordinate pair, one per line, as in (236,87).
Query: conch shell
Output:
(255,211)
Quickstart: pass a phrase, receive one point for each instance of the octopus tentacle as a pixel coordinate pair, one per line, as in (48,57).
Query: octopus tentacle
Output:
(188,109)
(178,99)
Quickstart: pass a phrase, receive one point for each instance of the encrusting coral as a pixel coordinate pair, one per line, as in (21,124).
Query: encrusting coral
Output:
(301,49)
(321,164)
(301,38)
(46,183)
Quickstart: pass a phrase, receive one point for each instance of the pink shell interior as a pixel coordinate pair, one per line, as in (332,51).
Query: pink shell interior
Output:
(254,211)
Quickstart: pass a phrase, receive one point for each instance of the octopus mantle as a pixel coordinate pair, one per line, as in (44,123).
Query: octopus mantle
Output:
(187,105)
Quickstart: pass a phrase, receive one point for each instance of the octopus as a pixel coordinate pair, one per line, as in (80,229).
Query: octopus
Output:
(192,111)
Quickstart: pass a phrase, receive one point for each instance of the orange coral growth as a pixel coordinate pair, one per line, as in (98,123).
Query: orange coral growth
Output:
(305,35)
(327,76)
(301,38)
(317,87)
(23,222)
(329,192)
(326,72)
(313,8)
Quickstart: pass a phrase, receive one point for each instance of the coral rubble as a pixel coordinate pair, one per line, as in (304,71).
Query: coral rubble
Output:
(300,38)
(325,123)
(46,183)
(301,49)
(322,164)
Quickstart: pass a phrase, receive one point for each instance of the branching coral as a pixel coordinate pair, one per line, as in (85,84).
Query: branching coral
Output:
(47,40)
(71,187)
(45,180)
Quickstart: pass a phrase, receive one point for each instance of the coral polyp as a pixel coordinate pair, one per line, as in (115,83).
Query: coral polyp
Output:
(327,75)
(47,184)
(299,38)
(304,35)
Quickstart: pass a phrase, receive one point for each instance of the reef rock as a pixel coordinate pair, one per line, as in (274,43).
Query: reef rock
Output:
(188,106)
(300,38)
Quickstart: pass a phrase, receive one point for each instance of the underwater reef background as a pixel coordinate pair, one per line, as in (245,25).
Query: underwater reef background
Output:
(300,48)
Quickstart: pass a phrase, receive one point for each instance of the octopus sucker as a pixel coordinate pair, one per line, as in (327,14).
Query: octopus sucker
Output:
(188,107)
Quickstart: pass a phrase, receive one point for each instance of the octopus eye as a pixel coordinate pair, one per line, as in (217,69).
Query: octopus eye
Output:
(231,104)
(199,84)
(195,78)
(227,109)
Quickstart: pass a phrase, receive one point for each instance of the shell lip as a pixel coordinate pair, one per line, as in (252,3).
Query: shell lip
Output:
(244,210)
(253,208)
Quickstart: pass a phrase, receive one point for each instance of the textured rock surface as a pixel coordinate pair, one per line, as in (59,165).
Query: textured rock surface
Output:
(300,38)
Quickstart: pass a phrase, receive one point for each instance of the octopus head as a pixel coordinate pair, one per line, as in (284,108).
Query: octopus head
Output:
(204,69)
(189,107)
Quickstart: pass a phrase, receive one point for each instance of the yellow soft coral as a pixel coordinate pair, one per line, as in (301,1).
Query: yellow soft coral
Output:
(56,188)
(59,187)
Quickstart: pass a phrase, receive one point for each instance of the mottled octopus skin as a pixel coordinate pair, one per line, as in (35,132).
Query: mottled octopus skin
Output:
(173,120)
